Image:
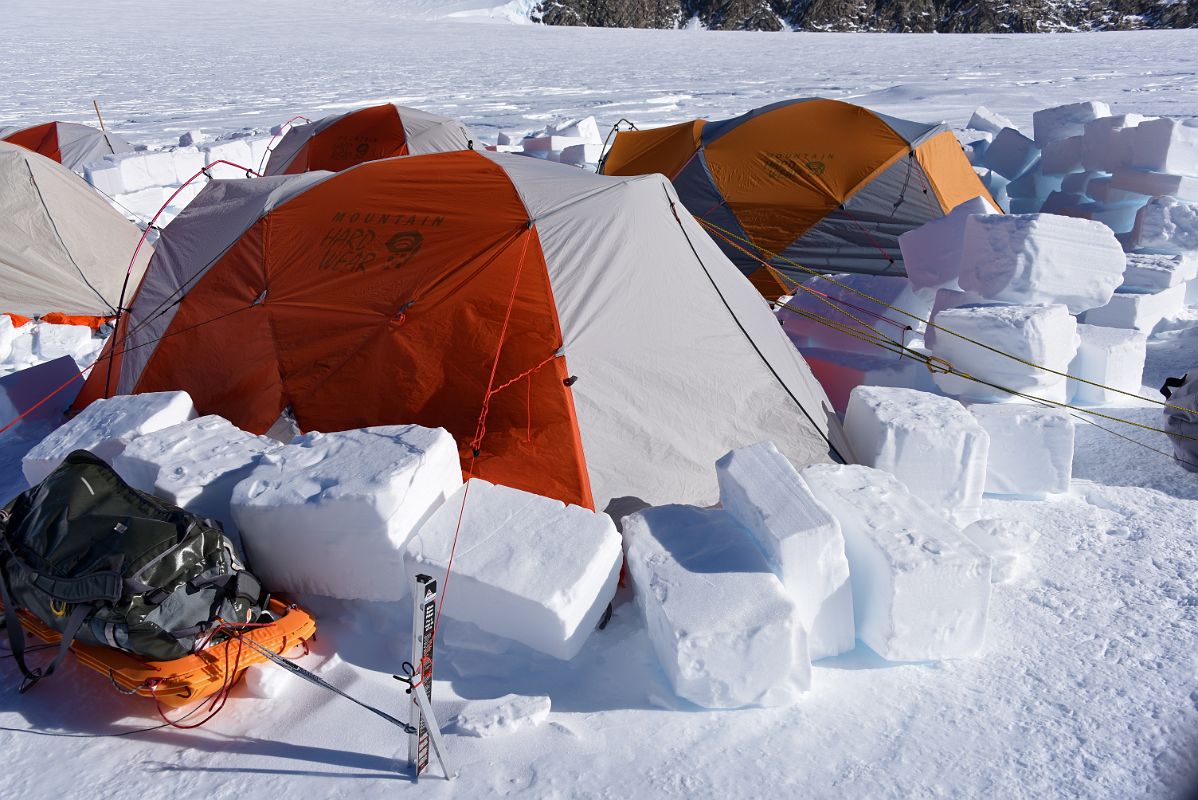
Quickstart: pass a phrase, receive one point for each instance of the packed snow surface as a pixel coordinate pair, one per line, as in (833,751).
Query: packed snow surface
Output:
(1085,684)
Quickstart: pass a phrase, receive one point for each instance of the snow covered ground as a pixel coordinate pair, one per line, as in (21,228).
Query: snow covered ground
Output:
(1087,685)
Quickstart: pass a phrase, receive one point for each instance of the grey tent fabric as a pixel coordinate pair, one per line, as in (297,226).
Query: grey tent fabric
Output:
(79,145)
(63,248)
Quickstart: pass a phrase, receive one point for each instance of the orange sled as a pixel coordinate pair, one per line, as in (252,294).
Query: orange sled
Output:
(194,677)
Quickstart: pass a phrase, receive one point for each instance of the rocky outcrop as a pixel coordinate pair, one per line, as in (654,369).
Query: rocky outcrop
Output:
(905,16)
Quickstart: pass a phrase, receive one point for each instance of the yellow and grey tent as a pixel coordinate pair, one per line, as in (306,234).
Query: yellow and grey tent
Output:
(822,183)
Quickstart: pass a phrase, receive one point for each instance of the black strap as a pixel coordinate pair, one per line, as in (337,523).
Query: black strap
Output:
(16,636)
(1171,384)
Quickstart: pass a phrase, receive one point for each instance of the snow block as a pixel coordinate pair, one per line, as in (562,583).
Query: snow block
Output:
(932,252)
(1041,335)
(1119,217)
(235,151)
(527,568)
(1155,272)
(1031,449)
(1139,311)
(22,390)
(723,627)
(945,299)
(1005,541)
(194,465)
(106,427)
(833,299)
(930,443)
(1062,156)
(1034,184)
(1166,145)
(1166,225)
(105,175)
(1040,259)
(839,372)
(77,341)
(330,513)
(188,161)
(1058,202)
(984,119)
(1105,190)
(586,129)
(800,539)
(1060,122)
(1108,142)
(1111,357)
(1156,184)
(1078,183)
(1011,154)
(921,590)
(581,154)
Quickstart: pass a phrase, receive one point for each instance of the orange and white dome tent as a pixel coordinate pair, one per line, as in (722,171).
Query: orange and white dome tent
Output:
(64,250)
(69,143)
(366,134)
(606,344)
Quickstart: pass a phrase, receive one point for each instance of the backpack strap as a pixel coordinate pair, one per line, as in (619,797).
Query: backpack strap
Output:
(1171,384)
(16,636)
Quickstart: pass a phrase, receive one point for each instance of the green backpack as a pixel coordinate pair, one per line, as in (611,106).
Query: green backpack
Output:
(101,562)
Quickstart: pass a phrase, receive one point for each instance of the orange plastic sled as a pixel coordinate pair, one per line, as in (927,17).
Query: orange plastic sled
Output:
(191,678)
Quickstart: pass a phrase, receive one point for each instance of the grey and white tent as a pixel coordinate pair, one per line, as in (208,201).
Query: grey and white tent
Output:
(63,248)
(69,143)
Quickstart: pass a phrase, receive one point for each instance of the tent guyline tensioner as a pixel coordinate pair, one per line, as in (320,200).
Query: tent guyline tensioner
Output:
(422,727)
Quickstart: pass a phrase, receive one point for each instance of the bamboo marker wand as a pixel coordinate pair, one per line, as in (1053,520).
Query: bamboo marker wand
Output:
(97,107)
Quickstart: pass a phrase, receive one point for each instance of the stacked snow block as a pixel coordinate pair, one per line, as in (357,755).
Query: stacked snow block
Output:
(106,427)
(921,590)
(1108,142)
(984,119)
(527,568)
(800,539)
(1061,122)
(77,341)
(1156,272)
(1110,357)
(1026,338)
(725,630)
(330,513)
(932,252)
(1011,154)
(1141,311)
(194,465)
(1165,225)
(1041,258)
(1166,145)
(946,299)
(1031,449)
(839,299)
(576,142)
(930,443)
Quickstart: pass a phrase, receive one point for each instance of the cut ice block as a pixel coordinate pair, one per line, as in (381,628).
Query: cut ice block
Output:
(106,427)
(25,391)
(1138,310)
(1040,259)
(330,513)
(1111,357)
(1108,142)
(945,298)
(921,590)
(1062,156)
(77,341)
(1167,145)
(1011,154)
(194,465)
(1155,272)
(1060,122)
(527,568)
(1031,449)
(930,443)
(932,252)
(723,627)
(1155,184)
(1032,184)
(800,539)
(984,119)
(1166,225)
(1035,335)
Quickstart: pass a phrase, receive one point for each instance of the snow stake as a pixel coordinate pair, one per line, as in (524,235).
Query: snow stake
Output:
(422,722)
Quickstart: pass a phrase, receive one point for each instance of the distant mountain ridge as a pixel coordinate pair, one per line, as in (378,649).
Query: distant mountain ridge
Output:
(904,16)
